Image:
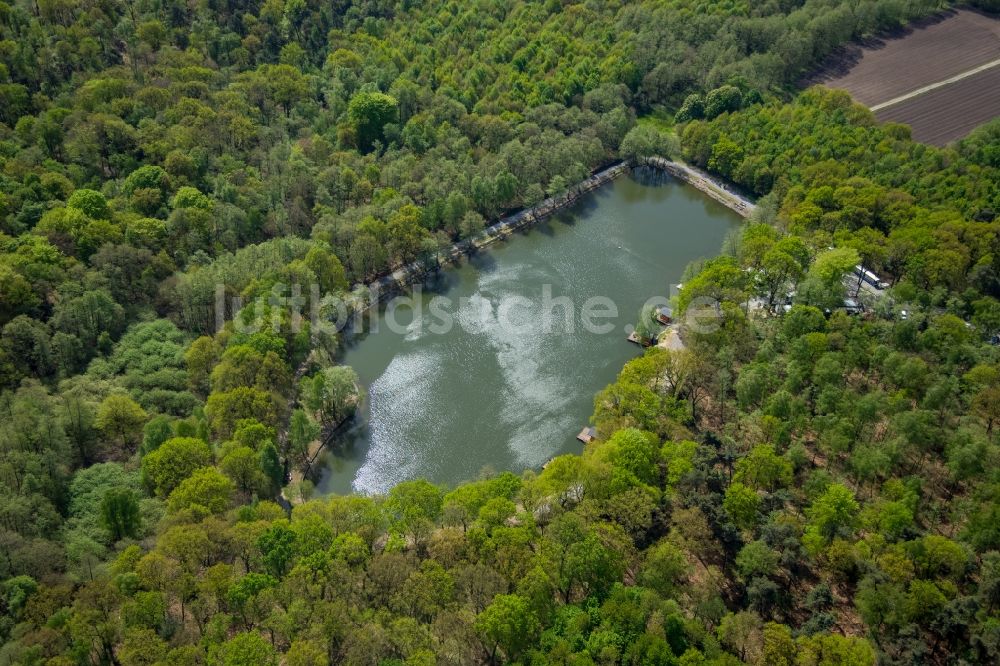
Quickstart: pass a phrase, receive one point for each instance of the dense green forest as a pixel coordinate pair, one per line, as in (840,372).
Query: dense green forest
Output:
(797,489)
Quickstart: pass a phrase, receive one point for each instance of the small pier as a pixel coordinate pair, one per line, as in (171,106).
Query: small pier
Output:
(633,337)
(587,435)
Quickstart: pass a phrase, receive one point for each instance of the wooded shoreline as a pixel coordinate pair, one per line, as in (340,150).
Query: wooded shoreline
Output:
(716,188)
(364,297)
(371,294)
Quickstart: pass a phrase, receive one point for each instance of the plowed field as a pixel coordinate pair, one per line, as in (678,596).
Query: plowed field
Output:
(949,112)
(920,63)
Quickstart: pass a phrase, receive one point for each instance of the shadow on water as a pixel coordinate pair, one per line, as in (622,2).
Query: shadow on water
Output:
(646,175)
(440,282)
(544,227)
(585,205)
(483,261)
(353,335)
(337,452)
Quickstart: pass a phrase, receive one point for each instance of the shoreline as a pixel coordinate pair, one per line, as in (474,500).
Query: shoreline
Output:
(403,277)
(366,296)
(714,187)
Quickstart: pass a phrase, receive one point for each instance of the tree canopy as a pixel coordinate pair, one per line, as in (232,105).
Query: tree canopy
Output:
(796,486)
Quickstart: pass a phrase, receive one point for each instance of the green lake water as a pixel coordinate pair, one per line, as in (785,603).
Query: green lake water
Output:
(443,404)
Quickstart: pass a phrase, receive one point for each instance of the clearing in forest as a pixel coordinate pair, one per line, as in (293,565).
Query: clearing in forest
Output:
(940,76)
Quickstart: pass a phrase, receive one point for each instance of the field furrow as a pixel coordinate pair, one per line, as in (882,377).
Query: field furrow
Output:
(927,54)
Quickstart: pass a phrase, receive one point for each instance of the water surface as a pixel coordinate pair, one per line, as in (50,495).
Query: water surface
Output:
(444,406)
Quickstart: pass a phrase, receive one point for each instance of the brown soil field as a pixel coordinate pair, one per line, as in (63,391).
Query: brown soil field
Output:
(925,53)
(949,112)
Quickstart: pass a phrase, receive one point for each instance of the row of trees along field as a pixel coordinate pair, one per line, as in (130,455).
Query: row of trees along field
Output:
(796,490)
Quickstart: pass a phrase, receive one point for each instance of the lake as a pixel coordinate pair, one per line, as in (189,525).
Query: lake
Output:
(504,387)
